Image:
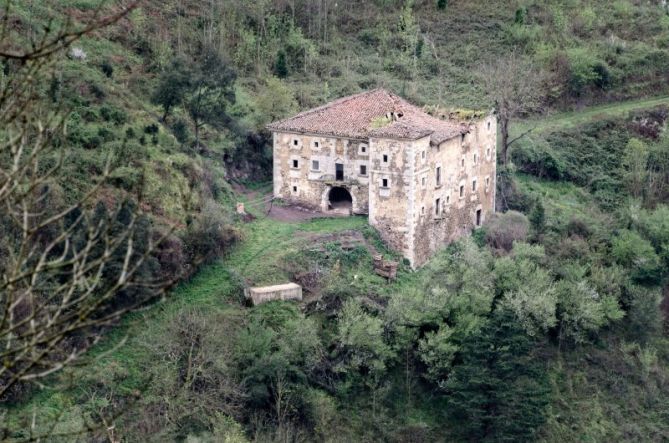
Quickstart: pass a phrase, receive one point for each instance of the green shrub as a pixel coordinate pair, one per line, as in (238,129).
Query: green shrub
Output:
(637,254)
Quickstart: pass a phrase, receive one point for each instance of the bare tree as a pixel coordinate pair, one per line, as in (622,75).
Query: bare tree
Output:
(63,265)
(514,85)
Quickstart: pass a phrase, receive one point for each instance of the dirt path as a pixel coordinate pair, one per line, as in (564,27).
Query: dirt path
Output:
(570,119)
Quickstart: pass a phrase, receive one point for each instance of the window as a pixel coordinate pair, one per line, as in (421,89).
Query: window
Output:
(488,126)
(363,169)
(487,153)
(487,183)
(476,158)
(296,164)
(385,158)
(316,145)
(474,185)
(363,148)
(462,163)
(478,217)
(296,142)
(424,181)
(315,165)
(294,188)
(384,183)
(462,191)
(422,210)
(448,199)
(437,206)
(422,155)
(438,175)
(462,138)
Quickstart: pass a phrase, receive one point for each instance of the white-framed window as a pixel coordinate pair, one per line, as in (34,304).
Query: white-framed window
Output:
(295,143)
(424,182)
(385,158)
(315,165)
(474,185)
(476,158)
(295,189)
(385,183)
(363,169)
(316,145)
(462,191)
(437,206)
(437,176)
(422,210)
(363,149)
(487,183)
(296,164)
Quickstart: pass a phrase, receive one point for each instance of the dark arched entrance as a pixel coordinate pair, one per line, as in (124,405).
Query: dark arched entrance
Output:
(340,199)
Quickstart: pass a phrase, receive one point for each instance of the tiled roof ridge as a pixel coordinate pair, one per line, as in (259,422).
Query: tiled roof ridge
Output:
(338,101)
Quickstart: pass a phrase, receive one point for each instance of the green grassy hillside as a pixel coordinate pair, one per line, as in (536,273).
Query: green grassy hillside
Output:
(545,325)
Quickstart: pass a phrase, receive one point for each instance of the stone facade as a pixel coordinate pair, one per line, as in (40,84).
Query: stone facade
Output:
(421,189)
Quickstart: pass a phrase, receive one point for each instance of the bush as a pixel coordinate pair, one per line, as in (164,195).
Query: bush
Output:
(209,236)
(180,130)
(107,69)
(113,115)
(503,229)
(636,253)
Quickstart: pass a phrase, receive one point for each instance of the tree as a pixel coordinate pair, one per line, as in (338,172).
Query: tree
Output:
(499,391)
(634,164)
(172,87)
(62,265)
(514,85)
(209,93)
(281,65)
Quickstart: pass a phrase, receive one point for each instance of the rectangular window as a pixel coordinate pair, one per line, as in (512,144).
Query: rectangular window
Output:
(462,163)
(316,145)
(438,175)
(294,188)
(363,148)
(487,182)
(384,183)
(437,206)
(385,158)
(295,164)
(474,185)
(422,154)
(422,210)
(424,181)
(315,165)
(478,217)
(476,158)
(448,199)
(462,191)
(295,142)
(363,169)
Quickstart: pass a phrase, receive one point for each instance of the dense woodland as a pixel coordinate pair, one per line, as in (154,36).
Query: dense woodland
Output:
(551,323)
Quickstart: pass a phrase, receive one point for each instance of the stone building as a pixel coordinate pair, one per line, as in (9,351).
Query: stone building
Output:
(423,181)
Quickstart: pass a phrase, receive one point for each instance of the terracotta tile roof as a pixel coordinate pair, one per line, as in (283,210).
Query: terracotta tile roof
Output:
(366,115)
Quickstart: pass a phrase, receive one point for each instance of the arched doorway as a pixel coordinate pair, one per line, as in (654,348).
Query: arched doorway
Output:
(340,200)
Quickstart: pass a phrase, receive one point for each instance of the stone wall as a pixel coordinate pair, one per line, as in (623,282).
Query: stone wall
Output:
(462,160)
(309,183)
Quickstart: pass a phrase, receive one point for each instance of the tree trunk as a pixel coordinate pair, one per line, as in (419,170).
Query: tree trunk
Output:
(504,126)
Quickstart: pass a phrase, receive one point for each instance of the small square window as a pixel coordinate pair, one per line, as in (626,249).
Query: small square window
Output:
(296,164)
(363,169)
(462,191)
(474,185)
(296,142)
(437,206)
(316,145)
(385,158)
(363,149)
(384,183)
(315,165)
(294,188)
